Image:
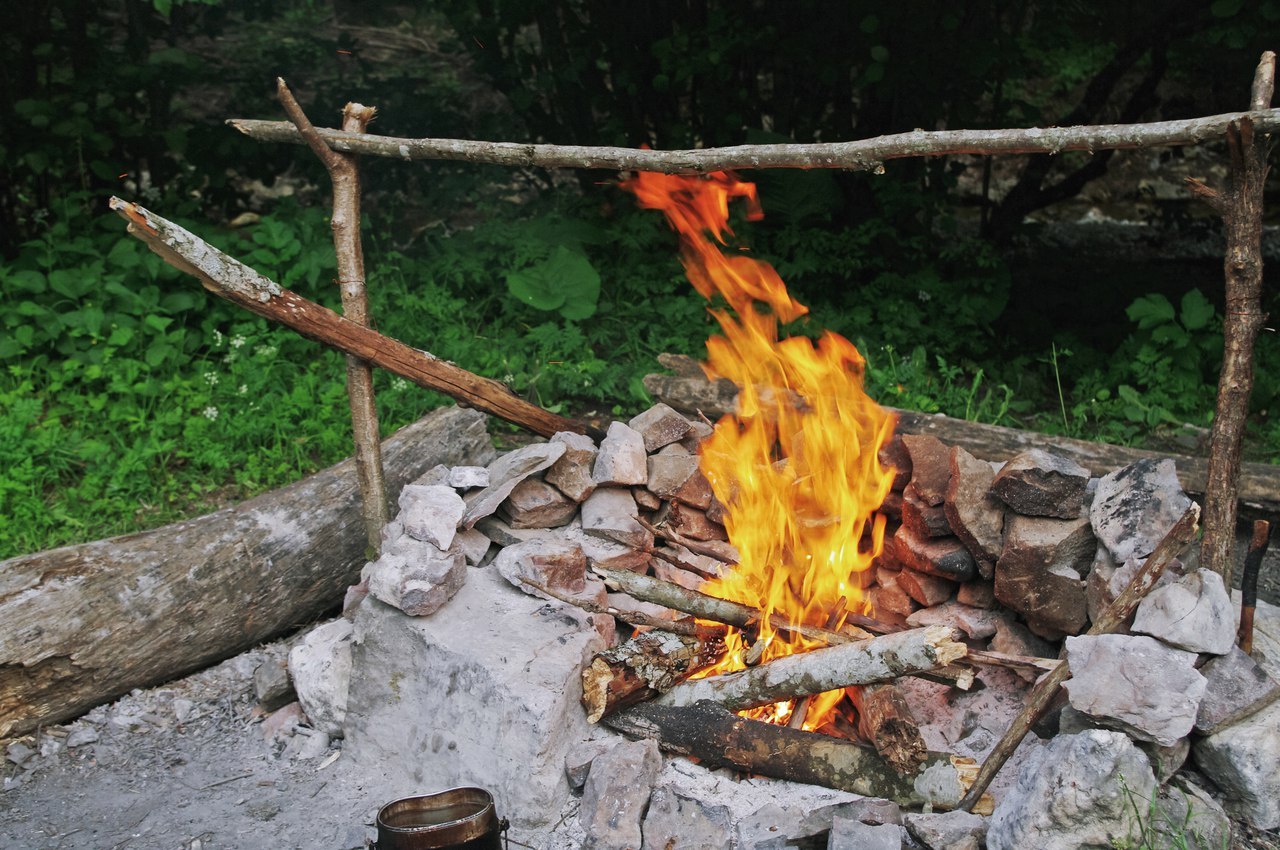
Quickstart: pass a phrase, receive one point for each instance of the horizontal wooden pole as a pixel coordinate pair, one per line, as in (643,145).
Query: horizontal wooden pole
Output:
(232,280)
(862,155)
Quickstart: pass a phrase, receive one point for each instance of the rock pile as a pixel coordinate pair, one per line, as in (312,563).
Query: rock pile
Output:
(462,671)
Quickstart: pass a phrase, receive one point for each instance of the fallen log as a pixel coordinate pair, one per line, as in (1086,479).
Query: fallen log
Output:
(1259,489)
(643,667)
(718,738)
(81,625)
(878,659)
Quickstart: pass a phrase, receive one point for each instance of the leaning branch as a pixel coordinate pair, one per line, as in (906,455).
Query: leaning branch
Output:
(232,280)
(866,154)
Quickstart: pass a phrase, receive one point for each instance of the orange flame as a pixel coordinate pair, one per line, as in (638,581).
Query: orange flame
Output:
(796,467)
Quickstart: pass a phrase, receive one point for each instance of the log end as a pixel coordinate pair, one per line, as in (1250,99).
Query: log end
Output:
(967,770)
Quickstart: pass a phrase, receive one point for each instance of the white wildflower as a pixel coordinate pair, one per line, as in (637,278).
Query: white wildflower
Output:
(211,378)
(210,413)
(238,340)
(243,388)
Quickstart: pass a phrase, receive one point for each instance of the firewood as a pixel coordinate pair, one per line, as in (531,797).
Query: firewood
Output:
(683,626)
(885,721)
(1258,544)
(643,667)
(877,659)
(717,738)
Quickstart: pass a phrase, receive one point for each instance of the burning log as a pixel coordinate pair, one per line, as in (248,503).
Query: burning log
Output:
(643,667)
(1044,691)
(831,668)
(718,738)
(885,719)
(228,278)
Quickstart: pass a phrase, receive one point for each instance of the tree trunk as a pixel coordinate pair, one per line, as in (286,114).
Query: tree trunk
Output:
(84,624)
(718,738)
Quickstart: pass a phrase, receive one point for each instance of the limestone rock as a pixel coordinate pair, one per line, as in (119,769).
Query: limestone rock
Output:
(1243,760)
(1105,773)
(473,544)
(1192,613)
(505,473)
(674,474)
(852,834)
(1013,638)
(1186,816)
(622,459)
(678,818)
(611,513)
(894,456)
(616,794)
(431,514)
(1135,507)
(930,466)
(1236,687)
(468,477)
(1038,483)
(320,667)
(1136,684)
(536,504)
(958,830)
(659,426)
(975,515)
(434,702)
(415,577)
(974,622)
(1039,572)
(978,593)
(271,684)
(556,564)
(945,557)
(694,523)
(923,519)
(571,474)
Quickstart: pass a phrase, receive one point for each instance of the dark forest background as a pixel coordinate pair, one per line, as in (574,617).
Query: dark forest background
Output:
(1078,294)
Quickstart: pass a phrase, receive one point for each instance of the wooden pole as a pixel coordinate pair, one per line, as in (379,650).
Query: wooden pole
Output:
(1258,544)
(1240,205)
(344,173)
(232,280)
(867,154)
(1046,688)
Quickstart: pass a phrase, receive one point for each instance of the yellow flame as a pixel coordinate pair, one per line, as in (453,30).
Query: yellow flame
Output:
(796,467)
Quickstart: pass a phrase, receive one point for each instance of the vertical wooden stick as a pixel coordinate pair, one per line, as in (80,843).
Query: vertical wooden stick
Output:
(345,222)
(1240,205)
(1249,583)
(1044,690)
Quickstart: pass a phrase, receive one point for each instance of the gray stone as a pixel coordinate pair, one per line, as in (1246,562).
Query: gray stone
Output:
(415,577)
(646,499)
(1105,774)
(923,519)
(1038,483)
(468,477)
(676,575)
(271,684)
(1166,761)
(81,736)
(1107,581)
(945,557)
(659,426)
(975,515)
(958,830)
(320,666)
(694,523)
(1013,638)
(622,459)
(571,474)
(577,762)
(431,514)
(1243,760)
(1136,506)
(1236,687)
(558,565)
(930,466)
(505,473)
(677,818)
(1187,817)
(611,513)
(485,694)
(977,623)
(473,544)
(436,476)
(1136,684)
(616,794)
(1039,572)
(1192,613)
(872,810)
(698,431)
(536,504)
(853,834)
(19,753)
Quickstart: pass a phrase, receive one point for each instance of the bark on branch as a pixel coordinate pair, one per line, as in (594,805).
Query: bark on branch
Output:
(228,278)
(717,738)
(866,154)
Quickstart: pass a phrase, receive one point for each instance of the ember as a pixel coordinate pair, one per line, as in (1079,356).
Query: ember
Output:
(796,465)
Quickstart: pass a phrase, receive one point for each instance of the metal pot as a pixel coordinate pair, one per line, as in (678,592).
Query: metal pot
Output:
(461,818)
